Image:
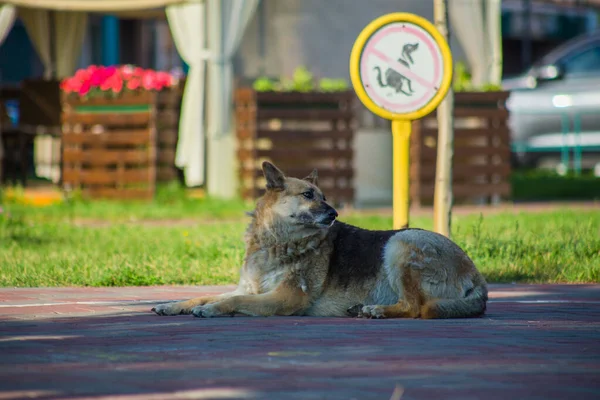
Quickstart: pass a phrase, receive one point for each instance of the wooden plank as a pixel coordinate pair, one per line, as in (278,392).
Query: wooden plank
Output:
(429,154)
(333,194)
(250,95)
(169,98)
(101,176)
(296,172)
(120,194)
(108,119)
(245,117)
(503,133)
(288,164)
(301,114)
(166,174)
(306,144)
(167,136)
(480,112)
(120,137)
(102,157)
(296,154)
(166,156)
(244,95)
(137,98)
(244,131)
(306,98)
(167,119)
(304,134)
(491,98)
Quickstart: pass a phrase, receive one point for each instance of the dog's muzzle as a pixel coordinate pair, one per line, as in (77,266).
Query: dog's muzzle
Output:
(328,215)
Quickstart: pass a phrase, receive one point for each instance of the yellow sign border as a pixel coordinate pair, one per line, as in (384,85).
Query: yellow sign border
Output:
(357,50)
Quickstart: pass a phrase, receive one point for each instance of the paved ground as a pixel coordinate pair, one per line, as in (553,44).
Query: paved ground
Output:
(536,342)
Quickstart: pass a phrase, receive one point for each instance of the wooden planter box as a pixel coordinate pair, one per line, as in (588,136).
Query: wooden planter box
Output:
(42,109)
(298,132)
(120,148)
(481,164)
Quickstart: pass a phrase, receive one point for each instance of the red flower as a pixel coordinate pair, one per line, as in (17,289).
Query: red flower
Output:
(117,84)
(110,71)
(138,72)
(82,75)
(106,85)
(164,79)
(65,86)
(126,71)
(85,88)
(115,79)
(133,84)
(148,80)
(73,85)
(97,78)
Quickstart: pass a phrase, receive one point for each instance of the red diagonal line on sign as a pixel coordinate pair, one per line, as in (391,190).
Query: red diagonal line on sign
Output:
(402,69)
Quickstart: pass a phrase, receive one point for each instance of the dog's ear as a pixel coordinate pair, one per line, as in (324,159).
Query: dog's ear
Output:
(313,177)
(275,178)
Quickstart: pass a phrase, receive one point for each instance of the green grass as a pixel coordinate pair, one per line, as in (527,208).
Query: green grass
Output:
(171,203)
(44,247)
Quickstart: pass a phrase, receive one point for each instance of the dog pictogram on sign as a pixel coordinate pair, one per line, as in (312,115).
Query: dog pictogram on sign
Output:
(401,67)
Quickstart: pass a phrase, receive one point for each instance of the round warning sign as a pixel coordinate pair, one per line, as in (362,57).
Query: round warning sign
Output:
(401,66)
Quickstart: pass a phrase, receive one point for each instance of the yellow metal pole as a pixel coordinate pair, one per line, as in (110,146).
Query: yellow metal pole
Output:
(401,137)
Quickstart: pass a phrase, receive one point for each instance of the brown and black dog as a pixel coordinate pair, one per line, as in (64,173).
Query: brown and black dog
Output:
(301,261)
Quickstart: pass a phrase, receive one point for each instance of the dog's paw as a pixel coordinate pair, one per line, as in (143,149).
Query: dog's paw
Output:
(355,311)
(169,309)
(372,312)
(205,311)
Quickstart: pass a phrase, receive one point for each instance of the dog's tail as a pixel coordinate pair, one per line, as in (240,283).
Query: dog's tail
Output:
(472,305)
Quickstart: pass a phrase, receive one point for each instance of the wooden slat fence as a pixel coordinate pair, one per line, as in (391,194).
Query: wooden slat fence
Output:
(297,132)
(481,167)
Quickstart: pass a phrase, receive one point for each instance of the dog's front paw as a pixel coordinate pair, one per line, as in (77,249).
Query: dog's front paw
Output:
(355,311)
(169,309)
(205,311)
(372,312)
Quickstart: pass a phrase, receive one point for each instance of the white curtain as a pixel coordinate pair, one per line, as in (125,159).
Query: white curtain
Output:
(69,28)
(69,32)
(227,23)
(8,13)
(480,38)
(187,23)
(37,24)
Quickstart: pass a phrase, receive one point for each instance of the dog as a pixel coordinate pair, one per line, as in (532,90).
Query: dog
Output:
(300,260)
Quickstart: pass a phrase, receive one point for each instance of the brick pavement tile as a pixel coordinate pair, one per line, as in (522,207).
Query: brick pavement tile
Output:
(518,350)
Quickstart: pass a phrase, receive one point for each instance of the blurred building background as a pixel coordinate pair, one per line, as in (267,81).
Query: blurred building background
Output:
(284,34)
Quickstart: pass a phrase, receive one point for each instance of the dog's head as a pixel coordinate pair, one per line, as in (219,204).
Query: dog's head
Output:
(296,203)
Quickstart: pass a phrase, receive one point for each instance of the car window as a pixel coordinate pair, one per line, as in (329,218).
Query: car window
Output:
(586,62)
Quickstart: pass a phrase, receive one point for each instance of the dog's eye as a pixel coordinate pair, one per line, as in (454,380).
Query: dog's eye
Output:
(309,195)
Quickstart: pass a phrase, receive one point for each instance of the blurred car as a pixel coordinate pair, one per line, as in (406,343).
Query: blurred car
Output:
(547,102)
